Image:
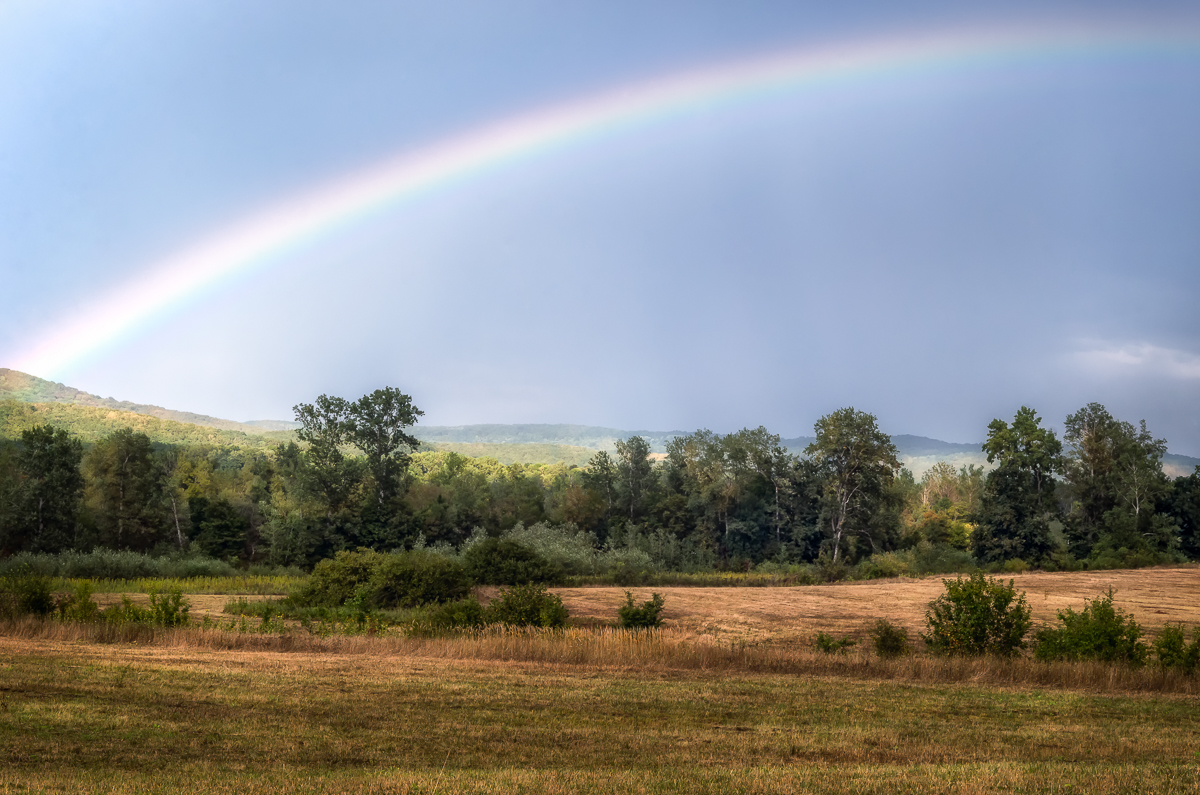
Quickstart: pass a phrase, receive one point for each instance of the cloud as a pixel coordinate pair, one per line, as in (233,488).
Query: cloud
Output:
(1139,358)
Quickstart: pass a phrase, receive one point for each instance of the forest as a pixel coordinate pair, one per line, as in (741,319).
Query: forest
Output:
(844,508)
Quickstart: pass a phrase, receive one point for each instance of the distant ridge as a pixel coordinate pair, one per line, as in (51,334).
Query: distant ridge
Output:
(514,443)
(25,388)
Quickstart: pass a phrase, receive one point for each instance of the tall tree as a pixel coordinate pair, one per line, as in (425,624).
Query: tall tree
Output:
(125,490)
(323,425)
(1018,501)
(376,424)
(857,462)
(53,487)
(635,475)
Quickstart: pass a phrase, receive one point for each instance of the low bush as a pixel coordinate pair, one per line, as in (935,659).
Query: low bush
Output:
(826,643)
(26,593)
(526,606)
(1099,632)
(110,564)
(367,580)
(976,616)
(889,640)
(1172,650)
(502,561)
(169,609)
(644,616)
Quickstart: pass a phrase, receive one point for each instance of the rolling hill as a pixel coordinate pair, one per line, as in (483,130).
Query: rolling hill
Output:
(26,400)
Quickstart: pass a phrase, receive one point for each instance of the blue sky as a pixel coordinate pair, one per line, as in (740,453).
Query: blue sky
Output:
(937,248)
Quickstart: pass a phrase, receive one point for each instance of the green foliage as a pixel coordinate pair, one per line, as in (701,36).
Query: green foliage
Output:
(977,616)
(79,606)
(372,580)
(526,606)
(169,609)
(826,643)
(502,561)
(464,613)
(1100,631)
(24,593)
(1172,650)
(644,616)
(111,564)
(409,579)
(889,640)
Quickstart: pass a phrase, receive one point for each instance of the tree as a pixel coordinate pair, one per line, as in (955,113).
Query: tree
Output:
(1018,497)
(1115,480)
(857,462)
(53,487)
(635,474)
(324,427)
(375,424)
(1183,505)
(125,490)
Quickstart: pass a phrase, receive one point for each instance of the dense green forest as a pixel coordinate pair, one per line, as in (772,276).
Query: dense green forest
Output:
(352,476)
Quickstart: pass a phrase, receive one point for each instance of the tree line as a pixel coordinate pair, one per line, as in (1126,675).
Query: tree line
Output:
(1098,497)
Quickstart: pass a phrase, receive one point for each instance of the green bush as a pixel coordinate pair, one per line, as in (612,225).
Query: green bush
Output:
(645,616)
(526,606)
(1100,632)
(369,580)
(977,616)
(169,609)
(889,640)
(24,593)
(1172,650)
(111,564)
(79,606)
(463,613)
(829,645)
(411,579)
(502,561)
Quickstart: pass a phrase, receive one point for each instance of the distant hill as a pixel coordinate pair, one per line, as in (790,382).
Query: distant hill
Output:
(92,417)
(92,423)
(26,388)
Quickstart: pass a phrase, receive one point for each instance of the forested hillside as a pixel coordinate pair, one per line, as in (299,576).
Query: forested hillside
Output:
(355,474)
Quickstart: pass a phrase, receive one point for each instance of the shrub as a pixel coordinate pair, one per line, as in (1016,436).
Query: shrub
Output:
(1100,632)
(370,580)
(649,614)
(526,606)
(977,616)
(24,592)
(169,609)
(410,579)
(502,561)
(889,640)
(463,613)
(826,643)
(1172,650)
(79,607)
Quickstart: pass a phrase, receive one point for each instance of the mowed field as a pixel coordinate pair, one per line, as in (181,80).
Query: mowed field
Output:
(602,711)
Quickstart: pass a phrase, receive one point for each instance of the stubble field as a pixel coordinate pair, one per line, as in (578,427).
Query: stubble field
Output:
(729,699)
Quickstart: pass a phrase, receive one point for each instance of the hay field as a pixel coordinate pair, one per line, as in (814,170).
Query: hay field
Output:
(729,698)
(1154,596)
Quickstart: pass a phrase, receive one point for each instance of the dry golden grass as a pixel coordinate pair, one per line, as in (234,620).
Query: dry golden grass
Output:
(119,717)
(794,614)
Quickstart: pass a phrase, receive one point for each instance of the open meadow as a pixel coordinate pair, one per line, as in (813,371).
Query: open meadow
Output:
(729,697)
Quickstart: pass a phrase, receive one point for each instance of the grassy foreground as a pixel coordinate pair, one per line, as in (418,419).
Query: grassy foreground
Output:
(123,718)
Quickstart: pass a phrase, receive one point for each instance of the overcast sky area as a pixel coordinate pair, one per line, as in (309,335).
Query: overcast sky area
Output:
(938,247)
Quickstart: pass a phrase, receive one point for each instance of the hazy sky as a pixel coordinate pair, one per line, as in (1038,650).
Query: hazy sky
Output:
(937,246)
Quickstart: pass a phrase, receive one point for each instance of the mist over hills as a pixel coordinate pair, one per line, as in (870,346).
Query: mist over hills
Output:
(48,401)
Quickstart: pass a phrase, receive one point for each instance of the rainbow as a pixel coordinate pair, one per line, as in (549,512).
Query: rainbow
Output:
(267,237)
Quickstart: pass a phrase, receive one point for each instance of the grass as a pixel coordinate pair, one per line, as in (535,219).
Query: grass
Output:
(125,718)
(248,585)
(729,697)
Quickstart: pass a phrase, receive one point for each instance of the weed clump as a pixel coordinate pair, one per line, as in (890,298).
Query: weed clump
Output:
(824,642)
